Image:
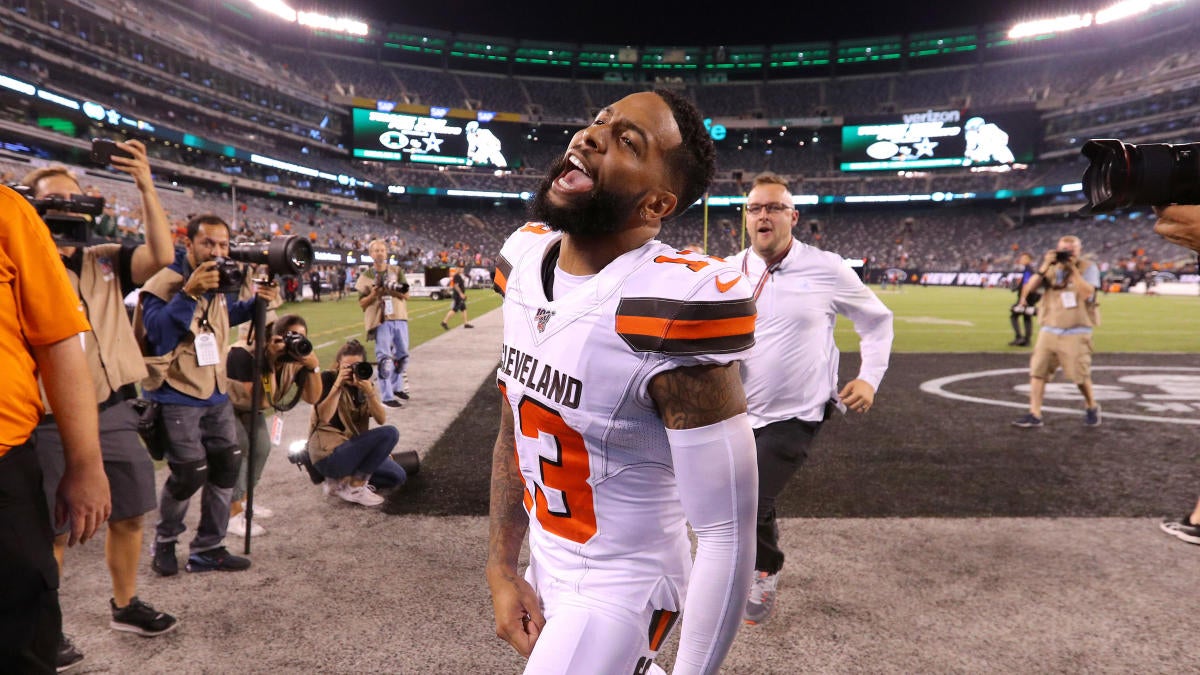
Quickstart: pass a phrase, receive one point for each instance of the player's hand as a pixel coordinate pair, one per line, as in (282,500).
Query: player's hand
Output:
(1050,258)
(857,395)
(204,279)
(138,166)
(519,618)
(1179,225)
(311,361)
(84,497)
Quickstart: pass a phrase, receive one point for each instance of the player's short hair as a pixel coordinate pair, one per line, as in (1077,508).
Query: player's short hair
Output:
(36,176)
(376,241)
(351,348)
(768,178)
(193,225)
(695,160)
(1070,238)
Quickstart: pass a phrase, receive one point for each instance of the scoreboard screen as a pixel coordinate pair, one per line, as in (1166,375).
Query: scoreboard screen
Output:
(406,137)
(938,139)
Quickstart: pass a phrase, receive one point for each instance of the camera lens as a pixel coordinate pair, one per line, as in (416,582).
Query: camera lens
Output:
(1122,174)
(363,370)
(297,345)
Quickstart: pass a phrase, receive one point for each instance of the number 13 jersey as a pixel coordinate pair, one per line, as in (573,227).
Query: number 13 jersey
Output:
(604,512)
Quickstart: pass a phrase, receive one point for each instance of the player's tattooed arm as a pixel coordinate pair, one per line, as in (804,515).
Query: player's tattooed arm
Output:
(519,618)
(698,396)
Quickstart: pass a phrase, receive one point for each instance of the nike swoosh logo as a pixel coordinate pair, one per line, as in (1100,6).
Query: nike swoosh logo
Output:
(723,287)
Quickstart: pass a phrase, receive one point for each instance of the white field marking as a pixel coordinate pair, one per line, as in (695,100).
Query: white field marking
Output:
(937,388)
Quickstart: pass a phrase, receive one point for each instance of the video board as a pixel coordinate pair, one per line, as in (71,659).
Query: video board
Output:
(405,137)
(937,139)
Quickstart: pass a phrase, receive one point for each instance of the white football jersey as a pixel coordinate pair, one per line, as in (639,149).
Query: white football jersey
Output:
(604,510)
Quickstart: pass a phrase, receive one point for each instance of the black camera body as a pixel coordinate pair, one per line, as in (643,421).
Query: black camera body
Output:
(363,370)
(66,217)
(232,276)
(1063,256)
(394,286)
(1153,174)
(296,346)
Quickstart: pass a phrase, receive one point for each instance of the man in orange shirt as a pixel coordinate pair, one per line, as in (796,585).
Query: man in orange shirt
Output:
(40,320)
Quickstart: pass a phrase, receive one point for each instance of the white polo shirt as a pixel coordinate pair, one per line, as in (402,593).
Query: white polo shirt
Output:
(792,369)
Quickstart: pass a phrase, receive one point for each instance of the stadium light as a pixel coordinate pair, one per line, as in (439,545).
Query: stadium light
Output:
(1060,24)
(1126,9)
(276,7)
(281,9)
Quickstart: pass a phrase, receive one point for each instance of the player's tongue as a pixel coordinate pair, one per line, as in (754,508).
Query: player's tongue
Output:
(575,180)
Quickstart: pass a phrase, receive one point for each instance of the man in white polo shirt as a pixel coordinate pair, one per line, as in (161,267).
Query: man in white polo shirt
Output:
(791,374)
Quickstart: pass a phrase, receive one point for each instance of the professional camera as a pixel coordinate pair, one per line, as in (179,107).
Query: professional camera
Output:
(67,217)
(296,346)
(232,276)
(363,370)
(1063,256)
(1122,174)
(394,287)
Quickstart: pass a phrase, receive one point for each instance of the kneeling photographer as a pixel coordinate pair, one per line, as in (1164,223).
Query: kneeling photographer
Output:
(1068,312)
(288,376)
(353,458)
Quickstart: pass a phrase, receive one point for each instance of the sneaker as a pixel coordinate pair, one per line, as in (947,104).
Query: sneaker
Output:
(140,618)
(762,598)
(445,326)
(216,559)
(237,526)
(1091,416)
(67,657)
(363,494)
(262,512)
(1182,528)
(393,403)
(467,325)
(164,563)
(1016,342)
(404,395)
(1027,421)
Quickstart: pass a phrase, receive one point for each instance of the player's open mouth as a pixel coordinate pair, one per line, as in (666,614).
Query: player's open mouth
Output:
(576,177)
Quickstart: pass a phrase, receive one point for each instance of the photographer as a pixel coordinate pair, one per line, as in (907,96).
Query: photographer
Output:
(1181,225)
(353,458)
(383,297)
(102,276)
(183,318)
(40,321)
(289,360)
(1068,312)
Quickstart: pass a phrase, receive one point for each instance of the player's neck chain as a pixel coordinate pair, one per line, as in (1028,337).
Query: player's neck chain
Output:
(773,266)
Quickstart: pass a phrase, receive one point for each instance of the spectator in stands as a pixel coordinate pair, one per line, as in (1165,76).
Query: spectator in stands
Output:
(283,367)
(458,287)
(354,458)
(791,374)
(103,275)
(1068,312)
(185,324)
(1023,313)
(1181,225)
(40,320)
(383,297)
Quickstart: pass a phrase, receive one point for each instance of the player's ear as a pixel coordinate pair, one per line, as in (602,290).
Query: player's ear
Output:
(659,204)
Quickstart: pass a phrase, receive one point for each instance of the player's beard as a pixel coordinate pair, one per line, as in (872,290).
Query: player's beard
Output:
(601,214)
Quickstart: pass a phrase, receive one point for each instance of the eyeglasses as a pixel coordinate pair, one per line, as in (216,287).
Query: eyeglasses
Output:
(772,209)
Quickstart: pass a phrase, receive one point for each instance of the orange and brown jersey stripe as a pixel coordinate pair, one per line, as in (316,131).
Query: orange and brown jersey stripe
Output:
(503,270)
(681,327)
(661,624)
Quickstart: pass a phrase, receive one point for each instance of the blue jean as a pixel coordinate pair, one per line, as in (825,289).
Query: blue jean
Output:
(367,455)
(391,343)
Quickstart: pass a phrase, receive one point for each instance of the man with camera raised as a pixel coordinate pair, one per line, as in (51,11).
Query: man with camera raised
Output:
(183,318)
(383,297)
(1068,313)
(289,359)
(102,275)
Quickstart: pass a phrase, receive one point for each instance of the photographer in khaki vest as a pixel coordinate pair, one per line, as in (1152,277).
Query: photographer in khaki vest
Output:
(102,275)
(1068,312)
(289,376)
(184,324)
(385,318)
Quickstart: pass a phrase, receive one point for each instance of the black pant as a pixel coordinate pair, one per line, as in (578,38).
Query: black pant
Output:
(782,448)
(1017,329)
(30,618)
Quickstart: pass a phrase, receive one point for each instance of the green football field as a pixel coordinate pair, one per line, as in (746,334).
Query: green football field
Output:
(927,320)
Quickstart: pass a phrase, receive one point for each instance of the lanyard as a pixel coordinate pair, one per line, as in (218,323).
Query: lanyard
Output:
(772,267)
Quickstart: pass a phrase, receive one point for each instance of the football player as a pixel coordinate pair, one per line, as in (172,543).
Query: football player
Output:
(623,417)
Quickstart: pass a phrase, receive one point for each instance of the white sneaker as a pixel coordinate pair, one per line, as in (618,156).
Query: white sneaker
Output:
(262,512)
(237,527)
(363,494)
